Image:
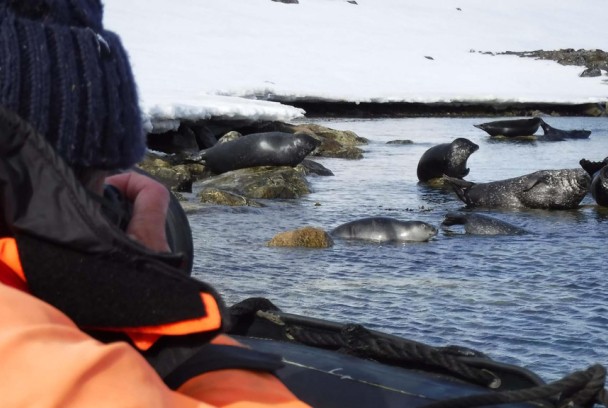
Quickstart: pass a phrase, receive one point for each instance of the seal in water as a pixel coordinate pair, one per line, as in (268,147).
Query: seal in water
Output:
(512,127)
(446,158)
(554,134)
(385,229)
(598,170)
(599,187)
(258,149)
(479,224)
(544,189)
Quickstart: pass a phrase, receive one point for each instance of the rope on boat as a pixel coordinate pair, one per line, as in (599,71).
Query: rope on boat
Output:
(579,389)
(356,340)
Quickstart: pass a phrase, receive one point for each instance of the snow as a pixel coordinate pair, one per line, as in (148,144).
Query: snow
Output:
(201,59)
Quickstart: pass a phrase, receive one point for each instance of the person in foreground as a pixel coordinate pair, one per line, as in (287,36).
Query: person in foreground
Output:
(91,315)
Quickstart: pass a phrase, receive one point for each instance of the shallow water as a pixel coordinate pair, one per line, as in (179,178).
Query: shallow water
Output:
(537,300)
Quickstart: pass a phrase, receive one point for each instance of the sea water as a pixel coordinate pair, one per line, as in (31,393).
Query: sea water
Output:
(538,300)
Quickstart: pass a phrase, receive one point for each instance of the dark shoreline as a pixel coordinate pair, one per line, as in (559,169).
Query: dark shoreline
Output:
(318,109)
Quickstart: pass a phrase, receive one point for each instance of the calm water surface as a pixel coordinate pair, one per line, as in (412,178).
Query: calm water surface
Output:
(538,300)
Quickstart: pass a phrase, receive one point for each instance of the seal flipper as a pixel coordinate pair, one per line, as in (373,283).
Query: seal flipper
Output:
(593,167)
(460,187)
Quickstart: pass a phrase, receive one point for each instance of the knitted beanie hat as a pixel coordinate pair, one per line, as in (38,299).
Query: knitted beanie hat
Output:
(71,79)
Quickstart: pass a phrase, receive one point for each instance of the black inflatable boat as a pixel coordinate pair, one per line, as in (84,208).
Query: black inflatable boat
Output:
(328,364)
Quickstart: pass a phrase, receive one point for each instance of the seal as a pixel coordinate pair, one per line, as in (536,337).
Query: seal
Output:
(554,134)
(385,229)
(598,171)
(599,187)
(592,167)
(479,224)
(512,127)
(258,149)
(446,158)
(544,189)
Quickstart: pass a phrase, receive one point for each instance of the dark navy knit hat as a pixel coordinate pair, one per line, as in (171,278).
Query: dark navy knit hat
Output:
(71,79)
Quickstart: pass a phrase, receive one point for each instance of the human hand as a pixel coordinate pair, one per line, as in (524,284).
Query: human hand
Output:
(150,204)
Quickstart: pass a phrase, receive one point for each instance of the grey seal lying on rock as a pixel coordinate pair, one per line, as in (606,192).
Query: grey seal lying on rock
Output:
(258,149)
(544,189)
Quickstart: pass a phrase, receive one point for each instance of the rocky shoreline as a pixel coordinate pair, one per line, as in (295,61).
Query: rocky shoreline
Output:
(365,110)
(171,162)
(171,152)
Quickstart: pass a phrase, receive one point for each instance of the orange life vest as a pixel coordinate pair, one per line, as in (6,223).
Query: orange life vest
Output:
(234,388)
(12,274)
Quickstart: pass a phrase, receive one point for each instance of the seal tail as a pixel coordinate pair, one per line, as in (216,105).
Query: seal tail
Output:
(460,187)
(592,167)
(545,126)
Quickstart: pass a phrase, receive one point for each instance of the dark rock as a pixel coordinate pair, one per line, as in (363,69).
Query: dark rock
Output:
(205,138)
(400,142)
(220,197)
(591,72)
(177,178)
(175,141)
(287,1)
(312,167)
(262,182)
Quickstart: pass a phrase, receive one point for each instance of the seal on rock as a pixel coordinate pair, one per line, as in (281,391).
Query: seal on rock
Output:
(479,224)
(258,149)
(385,229)
(544,189)
(554,134)
(598,170)
(511,127)
(446,158)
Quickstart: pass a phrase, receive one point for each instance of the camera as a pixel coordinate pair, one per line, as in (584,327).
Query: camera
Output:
(177,228)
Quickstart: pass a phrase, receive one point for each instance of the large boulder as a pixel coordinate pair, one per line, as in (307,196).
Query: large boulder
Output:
(266,182)
(307,237)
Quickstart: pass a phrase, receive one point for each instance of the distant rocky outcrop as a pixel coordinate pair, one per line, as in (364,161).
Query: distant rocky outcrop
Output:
(594,61)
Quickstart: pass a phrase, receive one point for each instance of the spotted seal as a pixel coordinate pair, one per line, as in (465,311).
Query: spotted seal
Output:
(544,189)
(480,224)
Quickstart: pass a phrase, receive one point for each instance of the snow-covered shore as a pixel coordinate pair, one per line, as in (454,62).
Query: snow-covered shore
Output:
(216,58)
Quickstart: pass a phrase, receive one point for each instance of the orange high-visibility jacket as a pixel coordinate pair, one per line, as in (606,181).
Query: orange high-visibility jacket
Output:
(46,361)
